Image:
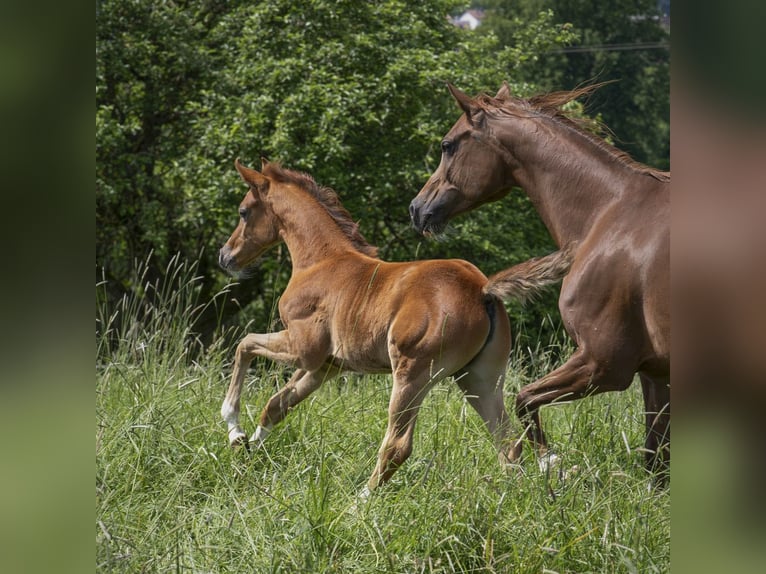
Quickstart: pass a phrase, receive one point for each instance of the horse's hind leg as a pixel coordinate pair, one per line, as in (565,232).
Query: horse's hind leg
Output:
(657,412)
(483,389)
(300,386)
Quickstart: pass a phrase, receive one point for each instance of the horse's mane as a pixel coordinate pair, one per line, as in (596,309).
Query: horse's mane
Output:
(550,105)
(328,199)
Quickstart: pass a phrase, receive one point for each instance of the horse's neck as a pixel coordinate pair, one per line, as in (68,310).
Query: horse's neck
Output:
(570,181)
(310,233)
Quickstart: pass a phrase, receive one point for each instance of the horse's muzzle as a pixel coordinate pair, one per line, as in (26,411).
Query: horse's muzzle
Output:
(225,258)
(418,217)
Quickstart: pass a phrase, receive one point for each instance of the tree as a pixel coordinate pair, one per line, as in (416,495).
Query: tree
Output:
(620,40)
(351,92)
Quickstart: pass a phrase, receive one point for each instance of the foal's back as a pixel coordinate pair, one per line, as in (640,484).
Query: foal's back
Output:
(377,312)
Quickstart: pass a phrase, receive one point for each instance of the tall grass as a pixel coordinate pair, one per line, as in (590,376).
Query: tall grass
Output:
(172,497)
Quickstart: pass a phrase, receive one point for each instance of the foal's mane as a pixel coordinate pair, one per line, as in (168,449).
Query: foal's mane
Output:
(550,105)
(328,199)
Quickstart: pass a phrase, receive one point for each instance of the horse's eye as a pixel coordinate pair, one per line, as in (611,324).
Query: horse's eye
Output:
(446,146)
(243,213)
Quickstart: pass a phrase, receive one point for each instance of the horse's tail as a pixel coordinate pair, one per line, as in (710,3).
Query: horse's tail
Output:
(524,280)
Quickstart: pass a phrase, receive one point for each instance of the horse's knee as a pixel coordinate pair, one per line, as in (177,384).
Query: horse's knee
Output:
(523,400)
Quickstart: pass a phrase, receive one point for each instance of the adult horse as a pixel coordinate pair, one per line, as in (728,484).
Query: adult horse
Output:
(344,309)
(615,301)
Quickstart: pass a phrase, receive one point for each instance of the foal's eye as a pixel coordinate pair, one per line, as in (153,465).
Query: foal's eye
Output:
(243,212)
(446,146)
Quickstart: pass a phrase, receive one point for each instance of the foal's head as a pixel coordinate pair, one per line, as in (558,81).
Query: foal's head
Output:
(257,230)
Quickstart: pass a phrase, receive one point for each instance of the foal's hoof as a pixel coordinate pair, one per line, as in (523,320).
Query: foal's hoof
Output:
(548,461)
(259,435)
(237,438)
(361,500)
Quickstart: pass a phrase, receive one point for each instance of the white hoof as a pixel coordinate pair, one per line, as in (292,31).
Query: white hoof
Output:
(364,495)
(548,461)
(237,437)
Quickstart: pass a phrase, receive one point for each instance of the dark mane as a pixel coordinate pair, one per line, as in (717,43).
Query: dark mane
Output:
(550,105)
(328,199)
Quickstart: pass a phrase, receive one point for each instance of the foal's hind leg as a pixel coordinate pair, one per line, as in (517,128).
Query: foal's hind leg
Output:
(484,392)
(657,411)
(407,396)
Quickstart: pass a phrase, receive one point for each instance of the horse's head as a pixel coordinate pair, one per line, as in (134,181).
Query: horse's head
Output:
(471,173)
(257,228)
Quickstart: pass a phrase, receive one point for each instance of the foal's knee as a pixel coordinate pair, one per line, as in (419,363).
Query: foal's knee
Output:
(243,353)
(396,452)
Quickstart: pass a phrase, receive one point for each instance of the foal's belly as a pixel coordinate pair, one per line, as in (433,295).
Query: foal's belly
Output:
(361,365)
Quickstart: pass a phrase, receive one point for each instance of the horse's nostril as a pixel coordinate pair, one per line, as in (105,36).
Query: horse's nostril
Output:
(223,259)
(413,214)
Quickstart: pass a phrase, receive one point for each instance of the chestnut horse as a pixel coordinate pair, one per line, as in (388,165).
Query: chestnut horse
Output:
(615,301)
(344,309)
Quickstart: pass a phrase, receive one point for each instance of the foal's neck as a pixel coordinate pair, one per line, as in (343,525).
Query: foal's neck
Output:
(310,233)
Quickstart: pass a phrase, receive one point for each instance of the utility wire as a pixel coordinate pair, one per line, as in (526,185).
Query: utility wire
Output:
(613,47)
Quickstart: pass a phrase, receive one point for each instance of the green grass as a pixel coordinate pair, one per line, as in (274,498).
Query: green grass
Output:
(172,497)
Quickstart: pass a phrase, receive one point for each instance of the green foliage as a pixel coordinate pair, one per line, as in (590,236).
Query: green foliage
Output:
(637,106)
(351,92)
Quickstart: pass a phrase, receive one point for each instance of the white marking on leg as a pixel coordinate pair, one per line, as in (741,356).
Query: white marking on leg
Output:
(364,494)
(231,417)
(260,434)
(548,461)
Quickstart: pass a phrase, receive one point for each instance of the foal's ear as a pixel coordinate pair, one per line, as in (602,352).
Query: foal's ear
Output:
(467,104)
(504,92)
(251,177)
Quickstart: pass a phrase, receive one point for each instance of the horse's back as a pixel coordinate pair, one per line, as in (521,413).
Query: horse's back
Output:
(374,309)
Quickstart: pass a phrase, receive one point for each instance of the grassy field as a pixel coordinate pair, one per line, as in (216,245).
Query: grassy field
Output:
(172,497)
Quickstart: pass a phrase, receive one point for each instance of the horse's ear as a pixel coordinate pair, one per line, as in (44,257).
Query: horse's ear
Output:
(504,92)
(466,103)
(251,177)
(264,163)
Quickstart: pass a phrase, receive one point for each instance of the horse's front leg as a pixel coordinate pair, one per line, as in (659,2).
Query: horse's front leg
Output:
(274,346)
(657,416)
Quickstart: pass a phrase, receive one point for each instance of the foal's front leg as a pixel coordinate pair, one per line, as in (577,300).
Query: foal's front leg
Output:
(301,385)
(274,346)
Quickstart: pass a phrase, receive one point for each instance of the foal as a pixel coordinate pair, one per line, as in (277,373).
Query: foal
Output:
(346,310)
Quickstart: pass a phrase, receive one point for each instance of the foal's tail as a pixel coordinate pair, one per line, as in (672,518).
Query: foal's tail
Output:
(521,282)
